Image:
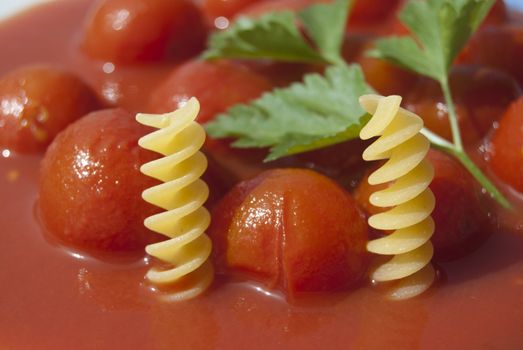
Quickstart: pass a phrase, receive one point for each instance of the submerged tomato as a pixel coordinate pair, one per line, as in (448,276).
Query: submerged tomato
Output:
(341,162)
(506,157)
(36,103)
(224,8)
(130,31)
(260,8)
(217,85)
(372,10)
(293,229)
(497,46)
(90,184)
(462,223)
(480,95)
(498,14)
(385,77)
(372,16)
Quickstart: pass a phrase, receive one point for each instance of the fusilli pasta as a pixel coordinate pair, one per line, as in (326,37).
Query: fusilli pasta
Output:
(182,195)
(405,148)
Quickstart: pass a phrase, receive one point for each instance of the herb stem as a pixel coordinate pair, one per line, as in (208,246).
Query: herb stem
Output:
(437,140)
(453,117)
(482,179)
(464,159)
(456,148)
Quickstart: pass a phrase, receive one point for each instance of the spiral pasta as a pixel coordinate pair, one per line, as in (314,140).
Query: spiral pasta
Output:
(182,195)
(405,148)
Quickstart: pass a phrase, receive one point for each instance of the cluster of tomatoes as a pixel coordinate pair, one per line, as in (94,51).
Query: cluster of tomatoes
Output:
(297,224)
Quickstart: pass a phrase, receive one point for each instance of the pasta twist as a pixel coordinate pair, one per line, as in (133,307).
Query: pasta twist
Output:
(182,195)
(405,148)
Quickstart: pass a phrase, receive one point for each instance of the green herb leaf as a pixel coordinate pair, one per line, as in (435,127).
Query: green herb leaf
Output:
(296,143)
(276,36)
(325,23)
(273,36)
(305,116)
(440,29)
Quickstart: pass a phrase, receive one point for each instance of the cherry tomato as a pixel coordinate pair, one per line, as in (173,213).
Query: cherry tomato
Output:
(90,188)
(372,10)
(386,78)
(260,8)
(37,102)
(273,229)
(506,158)
(497,47)
(479,94)
(341,162)
(498,14)
(224,8)
(373,16)
(462,223)
(130,31)
(218,85)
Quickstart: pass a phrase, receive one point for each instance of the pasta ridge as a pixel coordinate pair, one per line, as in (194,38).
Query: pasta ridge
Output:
(410,199)
(181,194)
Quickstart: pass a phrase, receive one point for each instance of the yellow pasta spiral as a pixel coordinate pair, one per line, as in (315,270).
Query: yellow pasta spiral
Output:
(182,195)
(412,202)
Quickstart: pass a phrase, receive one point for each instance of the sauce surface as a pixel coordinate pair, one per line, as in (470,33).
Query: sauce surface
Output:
(55,298)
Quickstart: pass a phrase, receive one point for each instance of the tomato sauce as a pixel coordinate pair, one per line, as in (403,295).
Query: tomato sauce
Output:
(56,298)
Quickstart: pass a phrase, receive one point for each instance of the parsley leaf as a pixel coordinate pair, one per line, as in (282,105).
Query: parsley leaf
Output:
(316,113)
(440,29)
(296,143)
(273,36)
(276,36)
(325,23)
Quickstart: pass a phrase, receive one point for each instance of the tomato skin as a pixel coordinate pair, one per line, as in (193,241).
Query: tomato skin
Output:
(480,96)
(462,223)
(497,47)
(223,216)
(498,14)
(282,74)
(272,228)
(37,102)
(325,245)
(133,31)
(355,45)
(90,184)
(260,8)
(461,211)
(341,162)
(385,77)
(373,10)
(219,181)
(224,8)
(217,85)
(372,16)
(506,151)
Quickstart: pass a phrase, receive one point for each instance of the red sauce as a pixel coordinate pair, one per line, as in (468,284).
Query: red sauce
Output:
(53,298)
